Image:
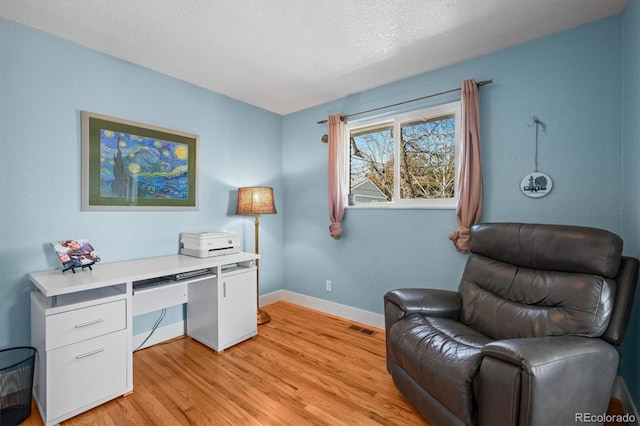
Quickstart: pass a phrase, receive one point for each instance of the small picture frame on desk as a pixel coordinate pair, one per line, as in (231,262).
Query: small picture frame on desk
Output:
(76,253)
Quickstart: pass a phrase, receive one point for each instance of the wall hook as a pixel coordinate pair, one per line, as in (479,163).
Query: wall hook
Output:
(536,123)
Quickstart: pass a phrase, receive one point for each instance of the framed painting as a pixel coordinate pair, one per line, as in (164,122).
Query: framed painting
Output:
(134,166)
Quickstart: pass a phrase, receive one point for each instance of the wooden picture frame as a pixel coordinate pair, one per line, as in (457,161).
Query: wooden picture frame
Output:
(128,165)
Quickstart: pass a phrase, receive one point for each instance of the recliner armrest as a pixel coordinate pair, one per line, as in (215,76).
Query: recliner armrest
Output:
(553,379)
(531,353)
(402,302)
(431,302)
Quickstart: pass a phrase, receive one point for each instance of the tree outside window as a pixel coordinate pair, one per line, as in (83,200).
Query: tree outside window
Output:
(411,158)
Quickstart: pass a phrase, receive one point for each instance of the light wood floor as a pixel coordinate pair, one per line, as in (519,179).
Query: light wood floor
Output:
(303,368)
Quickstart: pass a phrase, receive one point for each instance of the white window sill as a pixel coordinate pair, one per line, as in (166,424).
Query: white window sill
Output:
(392,206)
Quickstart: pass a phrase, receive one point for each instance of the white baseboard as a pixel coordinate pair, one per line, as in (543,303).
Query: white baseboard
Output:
(167,332)
(621,392)
(332,308)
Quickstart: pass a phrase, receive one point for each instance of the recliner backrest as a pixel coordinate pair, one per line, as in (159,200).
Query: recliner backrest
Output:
(550,247)
(529,280)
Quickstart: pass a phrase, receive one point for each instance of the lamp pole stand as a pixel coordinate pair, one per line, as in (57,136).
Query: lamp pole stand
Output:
(262,316)
(256,200)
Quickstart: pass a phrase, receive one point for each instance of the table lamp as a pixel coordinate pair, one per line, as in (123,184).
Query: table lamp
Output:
(257,200)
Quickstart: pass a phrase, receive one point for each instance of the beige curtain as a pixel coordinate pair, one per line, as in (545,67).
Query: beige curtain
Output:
(469,208)
(336,174)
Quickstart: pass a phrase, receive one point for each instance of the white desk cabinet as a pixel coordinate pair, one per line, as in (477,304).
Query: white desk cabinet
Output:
(81,324)
(221,311)
(82,350)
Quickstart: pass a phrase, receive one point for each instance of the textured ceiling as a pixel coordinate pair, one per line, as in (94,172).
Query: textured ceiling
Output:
(288,55)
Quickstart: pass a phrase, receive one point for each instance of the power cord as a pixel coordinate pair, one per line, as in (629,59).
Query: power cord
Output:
(153,329)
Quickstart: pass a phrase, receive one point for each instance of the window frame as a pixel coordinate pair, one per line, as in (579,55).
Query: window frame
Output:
(451,108)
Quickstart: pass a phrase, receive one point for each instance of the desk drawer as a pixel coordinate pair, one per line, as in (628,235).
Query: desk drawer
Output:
(78,375)
(81,324)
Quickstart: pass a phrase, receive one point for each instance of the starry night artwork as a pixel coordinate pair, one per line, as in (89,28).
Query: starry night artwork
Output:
(128,165)
(134,166)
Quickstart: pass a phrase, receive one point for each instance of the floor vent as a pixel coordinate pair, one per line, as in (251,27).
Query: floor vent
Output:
(362,330)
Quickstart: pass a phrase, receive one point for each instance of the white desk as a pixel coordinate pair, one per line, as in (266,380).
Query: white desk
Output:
(81,324)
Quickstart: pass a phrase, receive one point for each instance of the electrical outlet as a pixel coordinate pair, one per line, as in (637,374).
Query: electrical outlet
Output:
(328,285)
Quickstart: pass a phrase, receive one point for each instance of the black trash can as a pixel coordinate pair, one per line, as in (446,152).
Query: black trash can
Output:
(16,384)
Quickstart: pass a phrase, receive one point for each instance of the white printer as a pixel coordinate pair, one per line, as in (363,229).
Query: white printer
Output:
(208,244)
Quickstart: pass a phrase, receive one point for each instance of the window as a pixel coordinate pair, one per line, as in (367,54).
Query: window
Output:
(407,160)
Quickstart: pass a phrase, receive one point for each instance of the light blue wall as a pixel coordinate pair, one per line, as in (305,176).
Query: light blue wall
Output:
(630,363)
(571,81)
(44,84)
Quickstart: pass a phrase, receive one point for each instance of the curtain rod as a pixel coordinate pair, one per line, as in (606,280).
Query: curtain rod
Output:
(479,84)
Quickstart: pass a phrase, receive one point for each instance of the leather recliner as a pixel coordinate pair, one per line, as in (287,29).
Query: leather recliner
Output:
(531,337)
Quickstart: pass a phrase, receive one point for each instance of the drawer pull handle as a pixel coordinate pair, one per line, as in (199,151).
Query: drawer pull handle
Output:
(84,324)
(97,351)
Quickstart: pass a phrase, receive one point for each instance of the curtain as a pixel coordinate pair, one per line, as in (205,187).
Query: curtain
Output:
(469,208)
(336,174)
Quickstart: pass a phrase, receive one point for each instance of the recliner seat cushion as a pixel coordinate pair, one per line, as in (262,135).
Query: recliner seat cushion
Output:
(505,301)
(442,356)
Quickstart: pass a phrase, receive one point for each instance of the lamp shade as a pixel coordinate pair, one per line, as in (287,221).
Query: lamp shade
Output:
(255,200)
